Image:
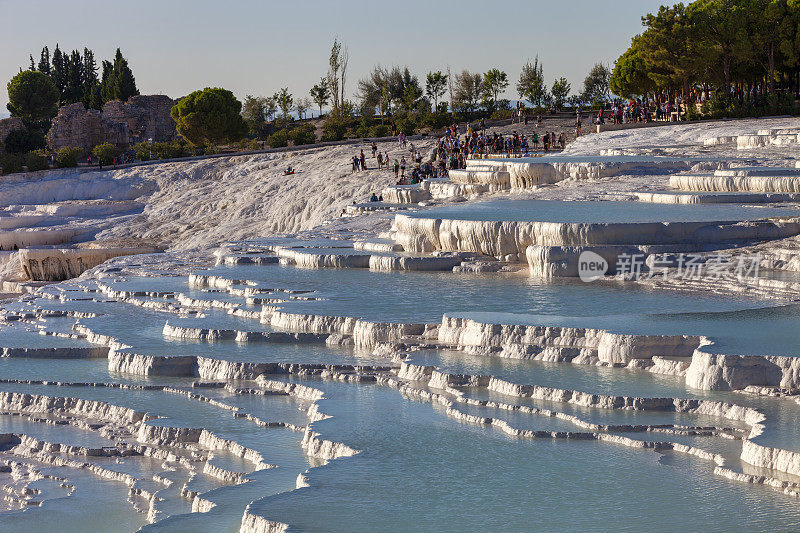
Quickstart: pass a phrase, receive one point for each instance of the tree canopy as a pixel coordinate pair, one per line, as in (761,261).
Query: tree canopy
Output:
(531,83)
(75,77)
(435,86)
(32,96)
(743,47)
(495,81)
(320,93)
(209,116)
(596,84)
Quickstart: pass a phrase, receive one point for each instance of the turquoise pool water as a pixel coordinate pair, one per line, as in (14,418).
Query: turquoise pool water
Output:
(418,469)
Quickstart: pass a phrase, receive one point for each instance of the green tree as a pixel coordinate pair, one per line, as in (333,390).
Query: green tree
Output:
(595,86)
(467,90)
(412,95)
(320,93)
(721,28)
(44,61)
(772,28)
(36,160)
(32,96)
(435,86)
(124,83)
(117,82)
(285,102)
(337,75)
(494,82)
(67,157)
(90,81)
(302,105)
(105,153)
(669,48)
(74,89)
(106,91)
(531,83)
(59,71)
(254,113)
(24,140)
(209,116)
(371,89)
(560,92)
(630,77)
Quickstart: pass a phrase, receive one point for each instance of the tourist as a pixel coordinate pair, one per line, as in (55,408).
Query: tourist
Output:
(380,160)
(396,169)
(363,161)
(402,166)
(355,164)
(374,149)
(535,141)
(373,198)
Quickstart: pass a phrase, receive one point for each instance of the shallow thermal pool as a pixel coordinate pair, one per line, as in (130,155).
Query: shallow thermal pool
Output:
(419,466)
(586,212)
(426,296)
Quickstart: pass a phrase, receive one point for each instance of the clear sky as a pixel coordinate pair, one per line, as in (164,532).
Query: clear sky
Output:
(257,47)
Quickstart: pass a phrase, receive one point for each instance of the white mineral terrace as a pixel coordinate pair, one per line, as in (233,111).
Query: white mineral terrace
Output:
(213,346)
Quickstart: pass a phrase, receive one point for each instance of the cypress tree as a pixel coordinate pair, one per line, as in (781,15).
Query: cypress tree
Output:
(74,89)
(106,84)
(59,74)
(44,62)
(90,82)
(124,82)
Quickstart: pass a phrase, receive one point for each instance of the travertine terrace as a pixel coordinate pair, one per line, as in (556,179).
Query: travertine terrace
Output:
(211,345)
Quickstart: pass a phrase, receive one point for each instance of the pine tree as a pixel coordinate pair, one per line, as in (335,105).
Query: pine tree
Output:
(44,62)
(33,65)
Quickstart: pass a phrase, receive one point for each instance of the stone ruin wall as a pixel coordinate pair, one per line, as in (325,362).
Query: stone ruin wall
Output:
(123,123)
(147,117)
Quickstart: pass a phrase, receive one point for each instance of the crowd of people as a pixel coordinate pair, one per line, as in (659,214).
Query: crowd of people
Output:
(454,148)
(639,110)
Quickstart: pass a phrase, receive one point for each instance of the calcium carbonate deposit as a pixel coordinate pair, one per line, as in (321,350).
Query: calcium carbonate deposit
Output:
(601,339)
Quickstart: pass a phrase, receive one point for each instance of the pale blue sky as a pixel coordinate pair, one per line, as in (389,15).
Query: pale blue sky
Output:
(256,47)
